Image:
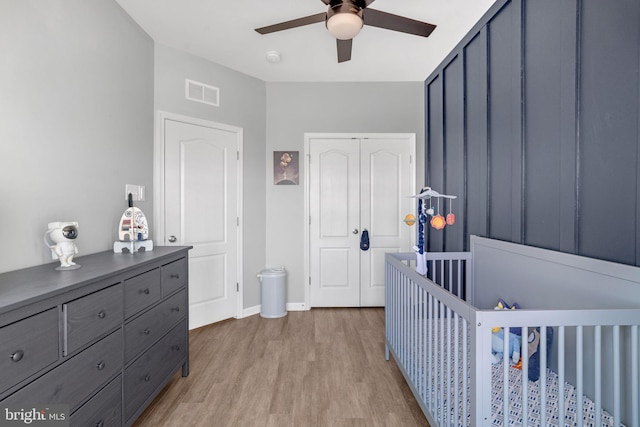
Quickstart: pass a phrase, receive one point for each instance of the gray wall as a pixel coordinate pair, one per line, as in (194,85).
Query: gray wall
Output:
(76,94)
(296,108)
(534,120)
(242,104)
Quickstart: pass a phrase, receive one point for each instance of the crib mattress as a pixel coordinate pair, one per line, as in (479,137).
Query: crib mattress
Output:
(552,395)
(515,396)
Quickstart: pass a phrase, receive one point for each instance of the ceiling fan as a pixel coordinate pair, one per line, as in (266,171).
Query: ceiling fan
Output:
(345,18)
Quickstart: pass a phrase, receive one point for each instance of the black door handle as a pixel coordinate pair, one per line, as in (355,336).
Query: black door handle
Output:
(364,240)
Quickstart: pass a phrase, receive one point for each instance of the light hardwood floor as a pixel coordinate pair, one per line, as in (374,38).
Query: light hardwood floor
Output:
(324,367)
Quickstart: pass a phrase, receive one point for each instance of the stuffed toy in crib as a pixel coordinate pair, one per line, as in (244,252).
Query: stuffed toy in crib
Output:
(515,345)
(533,342)
(497,340)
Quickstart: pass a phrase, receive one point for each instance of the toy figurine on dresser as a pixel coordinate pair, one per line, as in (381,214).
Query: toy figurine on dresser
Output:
(133,231)
(60,238)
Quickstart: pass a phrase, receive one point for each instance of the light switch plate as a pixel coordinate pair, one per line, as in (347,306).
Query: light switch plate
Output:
(137,192)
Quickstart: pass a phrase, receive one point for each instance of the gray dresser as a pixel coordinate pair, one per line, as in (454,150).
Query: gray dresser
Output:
(103,339)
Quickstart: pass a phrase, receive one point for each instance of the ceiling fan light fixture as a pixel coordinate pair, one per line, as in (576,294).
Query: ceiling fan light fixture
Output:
(345,24)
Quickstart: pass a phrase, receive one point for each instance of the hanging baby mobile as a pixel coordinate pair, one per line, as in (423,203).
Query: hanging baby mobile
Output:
(426,200)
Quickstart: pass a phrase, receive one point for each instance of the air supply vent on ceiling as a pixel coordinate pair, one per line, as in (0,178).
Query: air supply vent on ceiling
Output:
(201,92)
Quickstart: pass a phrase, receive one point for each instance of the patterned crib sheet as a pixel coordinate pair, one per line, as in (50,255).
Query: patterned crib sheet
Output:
(441,365)
(552,387)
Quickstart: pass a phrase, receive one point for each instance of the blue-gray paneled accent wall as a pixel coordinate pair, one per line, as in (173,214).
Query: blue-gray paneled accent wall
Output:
(533,120)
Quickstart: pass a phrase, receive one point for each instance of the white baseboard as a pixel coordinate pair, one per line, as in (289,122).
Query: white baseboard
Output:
(250,311)
(291,306)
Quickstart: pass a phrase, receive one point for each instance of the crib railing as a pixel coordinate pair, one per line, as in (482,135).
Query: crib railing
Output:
(427,331)
(442,345)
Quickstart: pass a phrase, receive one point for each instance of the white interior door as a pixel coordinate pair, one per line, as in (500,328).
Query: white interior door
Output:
(201,194)
(334,180)
(356,184)
(386,180)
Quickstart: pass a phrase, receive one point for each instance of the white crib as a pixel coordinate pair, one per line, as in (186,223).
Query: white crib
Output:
(438,330)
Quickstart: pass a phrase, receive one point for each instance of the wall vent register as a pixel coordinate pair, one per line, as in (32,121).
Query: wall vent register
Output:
(203,93)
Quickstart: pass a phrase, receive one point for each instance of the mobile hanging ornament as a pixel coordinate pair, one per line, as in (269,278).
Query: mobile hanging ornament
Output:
(133,231)
(437,221)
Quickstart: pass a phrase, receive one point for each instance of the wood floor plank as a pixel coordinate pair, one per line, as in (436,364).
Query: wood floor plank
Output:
(323,367)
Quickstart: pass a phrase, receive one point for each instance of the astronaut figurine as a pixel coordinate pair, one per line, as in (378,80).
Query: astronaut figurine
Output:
(60,238)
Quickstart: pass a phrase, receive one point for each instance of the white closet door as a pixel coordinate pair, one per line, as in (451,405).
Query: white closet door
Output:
(385,184)
(334,201)
(356,184)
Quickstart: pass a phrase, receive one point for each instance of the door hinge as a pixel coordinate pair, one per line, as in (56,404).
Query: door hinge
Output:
(238,221)
(309,280)
(237,287)
(237,155)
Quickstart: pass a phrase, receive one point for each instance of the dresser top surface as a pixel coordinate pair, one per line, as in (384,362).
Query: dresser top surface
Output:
(22,287)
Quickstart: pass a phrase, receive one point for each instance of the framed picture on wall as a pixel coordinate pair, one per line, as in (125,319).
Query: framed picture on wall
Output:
(285,168)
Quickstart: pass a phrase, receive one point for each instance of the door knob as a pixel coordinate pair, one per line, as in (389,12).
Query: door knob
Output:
(173,239)
(355,231)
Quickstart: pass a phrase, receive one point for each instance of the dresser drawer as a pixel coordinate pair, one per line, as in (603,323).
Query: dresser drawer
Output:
(78,377)
(146,329)
(89,317)
(174,276)
(144,375)
(28,346)
(141,291)
(103,410)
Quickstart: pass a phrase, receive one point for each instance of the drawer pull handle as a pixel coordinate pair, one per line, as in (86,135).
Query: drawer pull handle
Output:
(146,291)
(176,309)
(175,347)
(146,331)
(100,366)
(17,356)
(147,378)
(175,276)
(100,423)
(102,314)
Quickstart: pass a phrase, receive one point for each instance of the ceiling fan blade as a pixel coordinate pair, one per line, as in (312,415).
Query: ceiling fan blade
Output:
(360,3)
(312,19)
(393,22)
(344,50)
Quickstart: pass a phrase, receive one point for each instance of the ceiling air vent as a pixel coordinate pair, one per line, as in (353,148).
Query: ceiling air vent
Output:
(203,93)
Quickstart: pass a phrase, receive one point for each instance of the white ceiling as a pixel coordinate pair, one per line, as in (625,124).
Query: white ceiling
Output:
(223,32)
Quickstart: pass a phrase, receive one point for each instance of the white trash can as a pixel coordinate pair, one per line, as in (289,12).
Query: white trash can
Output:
(273,292)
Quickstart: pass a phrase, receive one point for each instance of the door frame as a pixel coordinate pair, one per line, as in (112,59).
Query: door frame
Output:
(355,135)
(159,189)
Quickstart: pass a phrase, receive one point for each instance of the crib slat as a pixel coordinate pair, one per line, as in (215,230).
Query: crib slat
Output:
(597,375)
(413,325)
(465,369)
(561,391)
(442,374)
(579,377)
(525,383)
(449,359)
(456,366)
(635,389)
(543,375)
(617,415)
(420,349)
(505,377)
(430,341)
